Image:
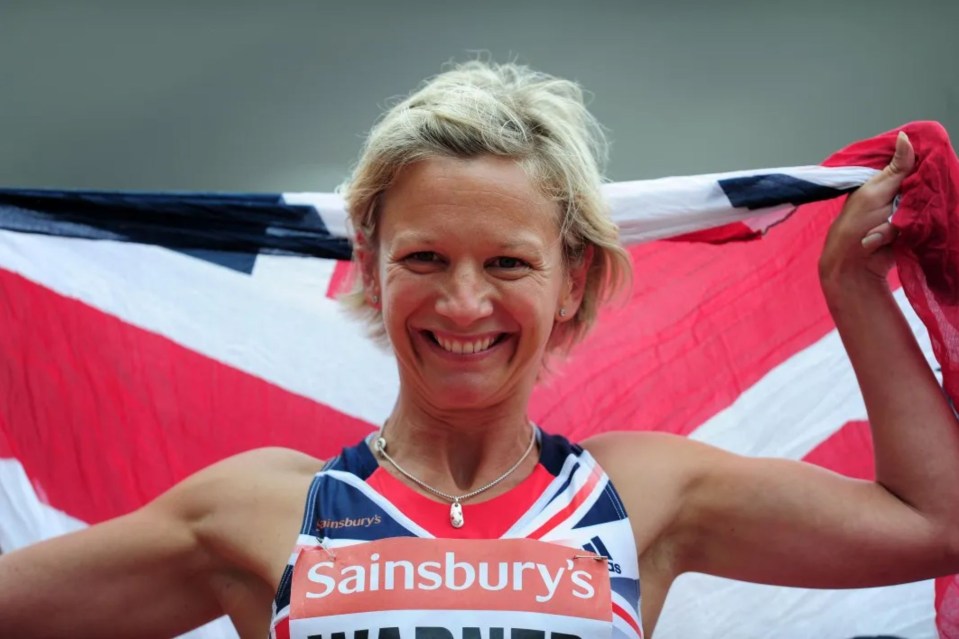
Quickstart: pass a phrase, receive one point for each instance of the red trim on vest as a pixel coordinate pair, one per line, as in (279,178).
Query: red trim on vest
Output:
(628,618)
(574,503)
(488,519)
(282,629)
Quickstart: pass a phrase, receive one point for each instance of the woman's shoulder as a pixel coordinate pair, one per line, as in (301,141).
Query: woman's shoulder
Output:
(246,509)
(259,464)
(616,448)
(269,459)
(245,482)
(643,464)
(647,458)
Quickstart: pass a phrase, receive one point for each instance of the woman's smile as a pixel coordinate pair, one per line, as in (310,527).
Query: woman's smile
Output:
(465,346)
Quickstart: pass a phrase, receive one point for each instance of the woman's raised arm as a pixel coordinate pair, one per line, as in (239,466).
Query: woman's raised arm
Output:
(790,523)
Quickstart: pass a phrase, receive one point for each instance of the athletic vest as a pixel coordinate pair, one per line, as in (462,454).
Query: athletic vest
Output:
(567,500)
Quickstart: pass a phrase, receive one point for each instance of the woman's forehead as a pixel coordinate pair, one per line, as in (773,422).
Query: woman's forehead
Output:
(491,193)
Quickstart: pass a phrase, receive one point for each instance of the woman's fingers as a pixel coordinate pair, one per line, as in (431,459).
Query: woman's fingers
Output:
(873,203)
(864,220)
(879,236)
(882,188)
(904,159)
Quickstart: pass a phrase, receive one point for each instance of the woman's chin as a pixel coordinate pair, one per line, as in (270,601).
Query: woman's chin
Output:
(463,392)
(464,396)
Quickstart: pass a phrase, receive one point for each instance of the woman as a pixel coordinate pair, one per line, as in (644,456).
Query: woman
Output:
(483,249)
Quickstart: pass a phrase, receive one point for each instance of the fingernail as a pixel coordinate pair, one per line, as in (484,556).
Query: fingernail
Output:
(871,240)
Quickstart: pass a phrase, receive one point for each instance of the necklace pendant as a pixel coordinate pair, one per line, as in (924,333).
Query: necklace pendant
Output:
(456,515)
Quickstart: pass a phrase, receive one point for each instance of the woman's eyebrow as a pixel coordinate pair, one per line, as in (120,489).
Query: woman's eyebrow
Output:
(414,237)
(513,243)
(506,244)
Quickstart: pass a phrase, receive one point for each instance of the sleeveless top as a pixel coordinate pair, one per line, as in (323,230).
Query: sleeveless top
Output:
(566,500)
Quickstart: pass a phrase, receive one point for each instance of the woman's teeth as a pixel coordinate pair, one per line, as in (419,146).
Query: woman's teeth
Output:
(465,347)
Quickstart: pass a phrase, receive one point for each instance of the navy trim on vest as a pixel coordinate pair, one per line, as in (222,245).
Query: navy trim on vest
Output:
(553,451)
(357,459)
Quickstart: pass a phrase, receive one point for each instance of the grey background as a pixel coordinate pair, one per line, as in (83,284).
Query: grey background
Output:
(257,96)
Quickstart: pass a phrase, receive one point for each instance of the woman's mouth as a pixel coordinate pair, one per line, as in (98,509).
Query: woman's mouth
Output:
(465,345)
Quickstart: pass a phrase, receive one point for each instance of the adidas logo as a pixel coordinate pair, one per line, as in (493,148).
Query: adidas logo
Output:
(596,545)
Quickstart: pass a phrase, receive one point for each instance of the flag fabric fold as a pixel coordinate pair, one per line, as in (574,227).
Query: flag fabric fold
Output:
(145,336)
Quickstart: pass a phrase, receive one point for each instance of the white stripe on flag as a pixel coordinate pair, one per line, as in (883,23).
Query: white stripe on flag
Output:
(26,518)
(647,210)
(778,417)
(215,311)
(704,606)
(329,206)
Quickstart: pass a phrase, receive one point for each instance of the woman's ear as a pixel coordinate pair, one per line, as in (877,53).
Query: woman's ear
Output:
(578,270)
(364,255)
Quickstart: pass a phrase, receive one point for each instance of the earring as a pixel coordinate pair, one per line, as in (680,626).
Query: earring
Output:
(375,298)
(562,312)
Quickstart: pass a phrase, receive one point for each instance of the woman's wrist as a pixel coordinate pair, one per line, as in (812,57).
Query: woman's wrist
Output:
(845,291)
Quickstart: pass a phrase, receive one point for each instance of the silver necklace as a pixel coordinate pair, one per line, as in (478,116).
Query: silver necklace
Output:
(456,508)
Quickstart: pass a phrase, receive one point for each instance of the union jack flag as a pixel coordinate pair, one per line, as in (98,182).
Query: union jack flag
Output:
(146,336)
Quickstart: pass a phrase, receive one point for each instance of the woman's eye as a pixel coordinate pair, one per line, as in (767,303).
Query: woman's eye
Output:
(508,263)
(422,256)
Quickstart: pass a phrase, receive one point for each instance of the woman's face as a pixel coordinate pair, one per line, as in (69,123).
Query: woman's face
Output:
(470,273)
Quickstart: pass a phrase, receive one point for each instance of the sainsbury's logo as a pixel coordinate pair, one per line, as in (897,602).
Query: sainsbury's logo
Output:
(451,573)
(409,573)
(349,522)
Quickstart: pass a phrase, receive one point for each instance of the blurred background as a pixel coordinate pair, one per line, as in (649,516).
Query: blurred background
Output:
(256,96)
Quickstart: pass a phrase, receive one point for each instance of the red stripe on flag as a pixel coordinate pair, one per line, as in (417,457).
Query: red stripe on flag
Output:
(104,416)
(848,451)
(6,444)
(702,324)
(947,607)
(341,280)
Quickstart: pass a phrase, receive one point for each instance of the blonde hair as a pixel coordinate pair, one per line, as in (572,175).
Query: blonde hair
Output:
(507,110)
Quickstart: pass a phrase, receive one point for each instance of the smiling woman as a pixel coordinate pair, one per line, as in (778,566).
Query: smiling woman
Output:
(446,285)
(550,146)
(482,248)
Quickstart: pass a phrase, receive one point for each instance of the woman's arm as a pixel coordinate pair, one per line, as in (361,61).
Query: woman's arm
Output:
(141,575)
(785,522)
(214,544)
(915,432)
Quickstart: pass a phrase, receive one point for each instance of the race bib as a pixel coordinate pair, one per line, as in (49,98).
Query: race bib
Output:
(413,588)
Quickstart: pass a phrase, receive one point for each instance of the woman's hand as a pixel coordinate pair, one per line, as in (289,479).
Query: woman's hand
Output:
(858,248)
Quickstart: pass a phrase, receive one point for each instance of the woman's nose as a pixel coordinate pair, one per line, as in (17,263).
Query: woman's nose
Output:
(467,296)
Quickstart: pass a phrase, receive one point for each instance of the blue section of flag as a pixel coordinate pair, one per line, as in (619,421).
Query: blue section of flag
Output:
(773,189)
(233,222)
(233,260)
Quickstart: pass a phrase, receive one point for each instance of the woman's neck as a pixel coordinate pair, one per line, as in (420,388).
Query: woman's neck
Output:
(457,452)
